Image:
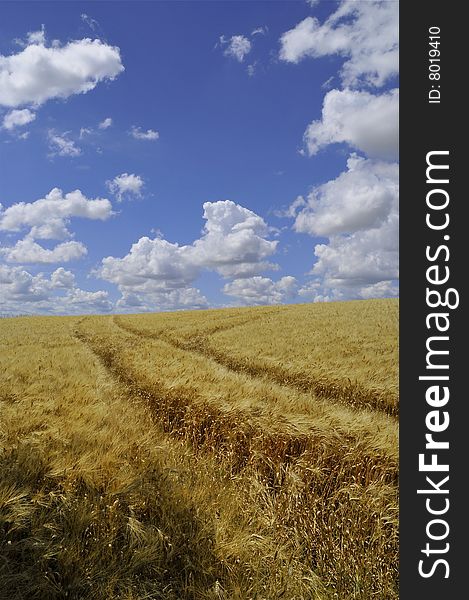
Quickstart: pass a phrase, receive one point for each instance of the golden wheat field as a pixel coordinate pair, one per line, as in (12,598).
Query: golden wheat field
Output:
(247,454)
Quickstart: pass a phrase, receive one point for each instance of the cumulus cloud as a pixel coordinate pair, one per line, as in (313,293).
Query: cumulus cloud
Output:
(238,47)
(364,33)
(361,197)
(139,134)
(39,73)
(358,213)
(24,293)
(29,251)
(62,279)
(154,275)
(163,299)
(48,217)
(382,289)
(126,185)
(80,301)
(234,242)
(364,121)
(37,37)
(261,290)
(311,291)
(18,286)
(18,118)
(107,122)
(151,264)
(160,273)
(61,145)
(349,264)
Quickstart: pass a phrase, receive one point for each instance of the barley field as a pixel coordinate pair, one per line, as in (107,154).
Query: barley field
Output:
(245,454)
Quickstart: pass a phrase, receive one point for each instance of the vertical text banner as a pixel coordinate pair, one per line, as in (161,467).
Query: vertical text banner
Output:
(433,254)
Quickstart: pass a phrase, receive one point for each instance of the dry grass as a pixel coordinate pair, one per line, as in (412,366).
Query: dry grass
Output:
(345,352)
(137,463)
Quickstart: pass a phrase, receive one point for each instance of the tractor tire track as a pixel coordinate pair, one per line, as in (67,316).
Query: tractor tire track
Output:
(351,394)
(326,468)
(230,433)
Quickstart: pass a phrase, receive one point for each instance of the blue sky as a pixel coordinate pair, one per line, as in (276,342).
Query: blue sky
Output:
(167,155)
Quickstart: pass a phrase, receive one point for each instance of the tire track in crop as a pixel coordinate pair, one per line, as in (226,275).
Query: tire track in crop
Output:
(351,394)
(334,476)
(179,415)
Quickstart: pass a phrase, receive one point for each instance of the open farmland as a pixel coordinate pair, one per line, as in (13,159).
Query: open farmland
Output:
(238,454)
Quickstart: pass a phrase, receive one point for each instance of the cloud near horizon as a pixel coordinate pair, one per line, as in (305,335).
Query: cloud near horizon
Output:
(48,219)
(358,212)
(233,244)
(56,294)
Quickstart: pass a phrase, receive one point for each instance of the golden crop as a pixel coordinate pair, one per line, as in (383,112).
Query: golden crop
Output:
(236,454)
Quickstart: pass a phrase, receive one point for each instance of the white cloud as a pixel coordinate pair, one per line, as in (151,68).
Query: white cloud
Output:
(234,241)
(48,217)
(139,134)
(360,198)
(84,131)
(360,260)
(155,275)
(28,251)
(292,210)
(61,278)
(92,23)
(364,121)
(260,30)
(24,293)
(238,47)
(150,300)
(261,290)
(160,273)
(358,212)
(62,146)
(80,301)
(126,185)
(19,286)
(364,33)
(37,37)
(382,289)
(107,122)
(311,291)
(39,73)
(151,264)
(18,118)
